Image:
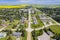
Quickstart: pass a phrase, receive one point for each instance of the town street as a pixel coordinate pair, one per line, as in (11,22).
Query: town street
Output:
(29,30)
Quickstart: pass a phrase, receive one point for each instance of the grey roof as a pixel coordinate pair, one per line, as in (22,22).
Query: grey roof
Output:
(17,34)
(2,35)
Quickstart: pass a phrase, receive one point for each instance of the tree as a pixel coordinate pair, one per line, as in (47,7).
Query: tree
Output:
(14,26)
(57,36)
(9,32)
(17,30)
(9,38)
(23,32)
(0,22)
(34,35)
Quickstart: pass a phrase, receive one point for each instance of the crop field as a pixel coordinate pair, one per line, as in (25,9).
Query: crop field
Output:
(13,6)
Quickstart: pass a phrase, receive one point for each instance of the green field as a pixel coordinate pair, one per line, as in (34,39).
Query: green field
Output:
(14,6)
(12,37)
(45,6)
(25,36)
(55,28)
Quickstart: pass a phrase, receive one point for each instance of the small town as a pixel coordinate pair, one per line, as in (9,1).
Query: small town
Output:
(27,24)
(29,19)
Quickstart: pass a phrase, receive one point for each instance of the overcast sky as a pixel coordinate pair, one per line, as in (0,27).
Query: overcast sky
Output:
(15,2)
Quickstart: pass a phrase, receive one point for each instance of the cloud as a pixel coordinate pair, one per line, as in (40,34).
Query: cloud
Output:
(24,0)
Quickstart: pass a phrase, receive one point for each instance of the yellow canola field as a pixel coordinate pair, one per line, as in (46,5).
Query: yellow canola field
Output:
(18,6)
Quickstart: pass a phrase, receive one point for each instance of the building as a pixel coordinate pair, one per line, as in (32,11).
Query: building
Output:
(17,34)
(2,35)
(50,33)
(44,18)
(34,20)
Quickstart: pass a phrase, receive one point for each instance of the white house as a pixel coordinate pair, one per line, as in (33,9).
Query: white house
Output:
(2,35)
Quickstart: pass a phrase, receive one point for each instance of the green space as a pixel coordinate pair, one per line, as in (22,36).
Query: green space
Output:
(23,26)
(53,22)
(0,26)
(40,23)
(45,6)
(0,23)
(47,23)
(24,37)
(9,38)
(55,29)
(36,33)
(3,38)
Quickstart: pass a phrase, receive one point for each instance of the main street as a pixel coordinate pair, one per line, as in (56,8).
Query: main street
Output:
(29,30)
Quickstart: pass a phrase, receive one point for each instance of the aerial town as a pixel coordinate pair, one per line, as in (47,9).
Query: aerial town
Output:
(29,23)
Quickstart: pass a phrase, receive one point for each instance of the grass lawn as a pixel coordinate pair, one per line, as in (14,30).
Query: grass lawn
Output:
(1,27)
(53,22)
(13,38)
(9,27)
(25,37)
(36,33)
(3,38)
(38,12)
(15,22)
(40,23)
(23,26)
(55,29)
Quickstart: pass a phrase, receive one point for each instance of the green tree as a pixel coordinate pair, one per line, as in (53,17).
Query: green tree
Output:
(9,38)
(34,35)
(0,22)
(57,37)
(9,32)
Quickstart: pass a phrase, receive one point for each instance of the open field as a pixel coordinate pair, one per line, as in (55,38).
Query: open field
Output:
(12,6)
(55,29)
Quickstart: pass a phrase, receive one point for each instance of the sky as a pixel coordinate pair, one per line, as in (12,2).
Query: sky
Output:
(16,2)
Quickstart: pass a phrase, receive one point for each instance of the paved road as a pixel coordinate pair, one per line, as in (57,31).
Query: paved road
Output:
(18,38)
(29,30)
(45,25)
(2,28)
(18,25)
